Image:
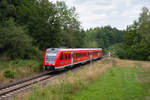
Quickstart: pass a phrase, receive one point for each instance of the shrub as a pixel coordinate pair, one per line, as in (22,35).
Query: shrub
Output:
(9,74)
(37,67)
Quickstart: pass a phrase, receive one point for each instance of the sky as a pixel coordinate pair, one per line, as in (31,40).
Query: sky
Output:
(97,13)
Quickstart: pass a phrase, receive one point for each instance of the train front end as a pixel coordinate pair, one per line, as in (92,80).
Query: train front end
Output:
(50,59)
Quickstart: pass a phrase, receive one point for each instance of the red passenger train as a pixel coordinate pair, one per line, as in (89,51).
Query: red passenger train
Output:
(60,58)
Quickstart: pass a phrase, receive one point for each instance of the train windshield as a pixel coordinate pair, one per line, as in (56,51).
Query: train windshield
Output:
(51,55)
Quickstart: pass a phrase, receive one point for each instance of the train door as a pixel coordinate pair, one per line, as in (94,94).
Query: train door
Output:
(90,56)
(71,58)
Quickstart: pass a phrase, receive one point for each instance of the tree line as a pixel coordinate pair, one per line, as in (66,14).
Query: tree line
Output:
(103,37)
(136,41)
(28,27)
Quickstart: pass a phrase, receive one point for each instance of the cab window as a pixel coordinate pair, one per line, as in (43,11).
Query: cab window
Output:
(66,56)
(61,58)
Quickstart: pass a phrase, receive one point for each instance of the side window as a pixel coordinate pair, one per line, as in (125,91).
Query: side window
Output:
(61,58)
(68,56)
(65,56)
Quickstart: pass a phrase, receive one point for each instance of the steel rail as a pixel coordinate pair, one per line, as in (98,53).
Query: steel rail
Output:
(3,86)
(17,85)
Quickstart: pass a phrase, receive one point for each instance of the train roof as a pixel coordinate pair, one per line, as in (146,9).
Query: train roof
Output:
(73,49)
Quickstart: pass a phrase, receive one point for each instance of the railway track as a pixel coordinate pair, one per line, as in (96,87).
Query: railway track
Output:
(10,90)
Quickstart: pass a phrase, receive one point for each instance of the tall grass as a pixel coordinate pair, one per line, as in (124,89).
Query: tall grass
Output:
(18,69)
(66,87)
(118,83)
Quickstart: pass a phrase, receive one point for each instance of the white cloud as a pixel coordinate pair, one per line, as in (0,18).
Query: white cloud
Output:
(117,13)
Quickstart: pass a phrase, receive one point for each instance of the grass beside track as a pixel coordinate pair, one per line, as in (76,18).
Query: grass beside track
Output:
(122,82)
(10,70)
(119,83)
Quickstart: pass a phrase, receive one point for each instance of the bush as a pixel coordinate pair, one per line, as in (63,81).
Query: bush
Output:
(148,57)
(121,53)
(38,67)
(9,74)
